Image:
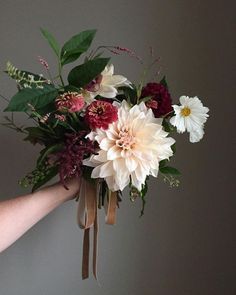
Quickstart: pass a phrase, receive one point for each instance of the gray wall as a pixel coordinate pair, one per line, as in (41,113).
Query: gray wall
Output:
(185,243)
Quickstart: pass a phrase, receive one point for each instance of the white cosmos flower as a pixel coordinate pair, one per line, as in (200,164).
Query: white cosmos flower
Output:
(190,116)
(130,148)
(106,84)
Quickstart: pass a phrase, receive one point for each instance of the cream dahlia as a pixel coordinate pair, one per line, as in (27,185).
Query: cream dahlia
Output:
(105,84)
(131,148)
(190,116)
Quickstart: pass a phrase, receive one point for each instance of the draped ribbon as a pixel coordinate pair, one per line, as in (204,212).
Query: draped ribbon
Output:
(88,218)
(110,208)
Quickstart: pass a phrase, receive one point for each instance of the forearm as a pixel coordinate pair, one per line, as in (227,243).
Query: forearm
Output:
(20,214)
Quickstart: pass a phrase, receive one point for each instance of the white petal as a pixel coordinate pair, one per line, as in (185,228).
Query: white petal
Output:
(196,135)
(108,71)
(115,80)
(107,91)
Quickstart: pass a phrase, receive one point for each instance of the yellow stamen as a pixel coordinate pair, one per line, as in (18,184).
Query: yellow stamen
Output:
(185,112)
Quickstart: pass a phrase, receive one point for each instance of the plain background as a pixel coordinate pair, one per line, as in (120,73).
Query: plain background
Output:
(185,243)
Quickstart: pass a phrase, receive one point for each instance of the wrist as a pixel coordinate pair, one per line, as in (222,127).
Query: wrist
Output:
(73,186)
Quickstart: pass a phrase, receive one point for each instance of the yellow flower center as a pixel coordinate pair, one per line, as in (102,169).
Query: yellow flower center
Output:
(185,112)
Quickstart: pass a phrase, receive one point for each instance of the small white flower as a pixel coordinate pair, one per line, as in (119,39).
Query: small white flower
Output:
(190,116)
(105,85)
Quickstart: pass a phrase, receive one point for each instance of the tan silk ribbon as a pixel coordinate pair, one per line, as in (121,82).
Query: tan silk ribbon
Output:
(88,218)
(111,208)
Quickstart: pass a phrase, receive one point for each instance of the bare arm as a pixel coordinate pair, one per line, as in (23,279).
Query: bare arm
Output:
(20,214)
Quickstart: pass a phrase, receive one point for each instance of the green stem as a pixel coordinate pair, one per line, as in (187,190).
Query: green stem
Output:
(4,98)
(60,73)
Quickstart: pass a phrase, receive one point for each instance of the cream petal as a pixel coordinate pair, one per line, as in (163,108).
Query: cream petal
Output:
(136,182)
(106,144)
(113,153)
(101,157)
(131,163)
(122,180)
(103,170)
(111,183)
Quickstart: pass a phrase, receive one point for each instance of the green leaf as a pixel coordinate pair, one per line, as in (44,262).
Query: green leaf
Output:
(35,134)
(52,41)
(167,126)
(162,163)
(163,82)
(130,93)
(24,78)
(169,170)
(83,74)
(38,98)
(173,147)
(145,99)
(50,173)
(77,45)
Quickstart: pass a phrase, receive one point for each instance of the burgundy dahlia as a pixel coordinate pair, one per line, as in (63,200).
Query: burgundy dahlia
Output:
(99,114)
(160,102)
(70,159)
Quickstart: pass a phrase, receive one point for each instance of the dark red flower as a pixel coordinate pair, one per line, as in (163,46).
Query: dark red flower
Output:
(160,102)
(99,114)
(70,159)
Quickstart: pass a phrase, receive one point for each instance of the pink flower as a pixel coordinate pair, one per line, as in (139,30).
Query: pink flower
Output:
(99,114)
(70,102)
(43,62)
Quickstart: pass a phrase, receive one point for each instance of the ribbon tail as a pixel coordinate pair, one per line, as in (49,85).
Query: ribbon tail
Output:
(95,245)
(111,210)
(85,262)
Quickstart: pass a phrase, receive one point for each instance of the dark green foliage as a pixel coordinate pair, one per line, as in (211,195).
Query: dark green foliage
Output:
(38,98)
(52,41)
(81,75)
(77,45)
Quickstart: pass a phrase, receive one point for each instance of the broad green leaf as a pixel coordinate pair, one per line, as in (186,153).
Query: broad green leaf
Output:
(52,41)
(169,170)
(38,98)
(78,44)
(83,74)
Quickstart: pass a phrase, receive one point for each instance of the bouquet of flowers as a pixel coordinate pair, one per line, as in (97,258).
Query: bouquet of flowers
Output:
(100,127)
